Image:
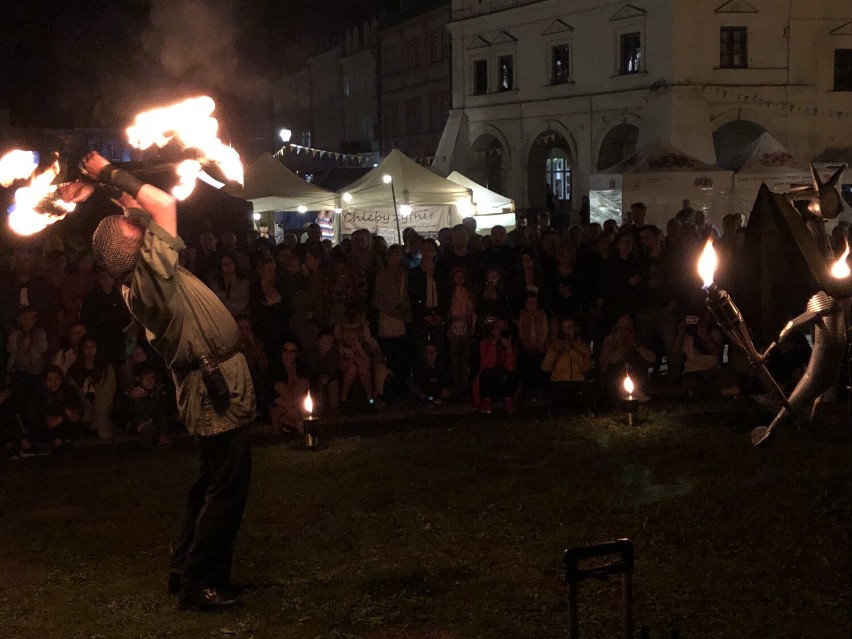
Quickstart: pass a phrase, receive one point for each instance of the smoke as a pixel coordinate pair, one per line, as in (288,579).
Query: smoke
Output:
(196,42)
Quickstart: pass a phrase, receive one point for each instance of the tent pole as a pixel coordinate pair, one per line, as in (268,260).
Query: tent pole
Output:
(396,214)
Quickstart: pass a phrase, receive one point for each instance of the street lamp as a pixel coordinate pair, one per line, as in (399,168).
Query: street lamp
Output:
(285,134)
(387,179)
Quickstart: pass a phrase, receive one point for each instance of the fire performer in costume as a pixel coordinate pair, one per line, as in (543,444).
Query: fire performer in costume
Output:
(188,325)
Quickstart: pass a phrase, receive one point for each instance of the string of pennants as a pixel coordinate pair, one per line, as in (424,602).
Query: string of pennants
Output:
(355,158)
(782,107)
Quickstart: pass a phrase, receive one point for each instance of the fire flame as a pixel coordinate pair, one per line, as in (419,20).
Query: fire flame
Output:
(17,165)
(707,264)
(36,205)
(309,404)
(628,385)
(191,124)
(840,268)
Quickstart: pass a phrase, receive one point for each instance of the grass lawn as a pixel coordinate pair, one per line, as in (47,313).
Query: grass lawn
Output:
(450,528)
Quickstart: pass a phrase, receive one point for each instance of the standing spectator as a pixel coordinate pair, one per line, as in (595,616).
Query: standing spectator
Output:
(564,292)
(55,263)
(391,300)
(254,351)
(314,236)
(231,285)
(497,377)
(428,299)
(207,257)
(461,321)
(499,254)
(326,225)
(516,235)
(686,213)
(289,389)
(412,250)
(657,314)
(229,246)
(528,279)
(94,376)
(269,311)
(492,303)
(105,316)
(339,291)
(533,330)
(26,288)
(457,255)
(624,279)
(585,211)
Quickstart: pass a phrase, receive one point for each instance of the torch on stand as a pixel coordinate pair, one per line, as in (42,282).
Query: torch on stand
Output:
(310,422)
(731,322)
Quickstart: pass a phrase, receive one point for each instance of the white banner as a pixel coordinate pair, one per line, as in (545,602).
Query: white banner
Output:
(424,219)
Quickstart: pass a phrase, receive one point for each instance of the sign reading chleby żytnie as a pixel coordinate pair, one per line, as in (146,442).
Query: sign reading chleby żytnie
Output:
(424,219)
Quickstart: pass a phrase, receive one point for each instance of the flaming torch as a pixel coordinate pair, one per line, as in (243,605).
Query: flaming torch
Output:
(730,320)
(310,423)
(191,125)
(36,204)
(631,404)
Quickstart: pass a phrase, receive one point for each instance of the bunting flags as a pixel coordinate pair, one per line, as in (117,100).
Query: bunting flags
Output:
(360,159)
(780,106)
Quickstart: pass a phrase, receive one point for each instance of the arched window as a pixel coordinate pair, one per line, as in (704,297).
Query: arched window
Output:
(558,173)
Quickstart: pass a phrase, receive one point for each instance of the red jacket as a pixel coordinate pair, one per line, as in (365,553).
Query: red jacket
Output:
(488,359)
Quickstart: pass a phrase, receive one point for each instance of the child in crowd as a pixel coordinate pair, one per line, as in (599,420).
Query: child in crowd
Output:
(67,355)
(94,376)
(325,383)
(289,390)
(148,406)
(431,382)
(26,346)
(360,357)
(568,360)
(56,414)
(533,330)
(699,343)
(461,322)
(498,376)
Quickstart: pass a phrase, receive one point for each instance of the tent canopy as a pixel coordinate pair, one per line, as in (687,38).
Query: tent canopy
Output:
(661,176)
(765,161)
(369,201)
(271,186)
(487,202)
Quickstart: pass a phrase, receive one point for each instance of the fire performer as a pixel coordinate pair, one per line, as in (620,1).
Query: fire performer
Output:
(188,325)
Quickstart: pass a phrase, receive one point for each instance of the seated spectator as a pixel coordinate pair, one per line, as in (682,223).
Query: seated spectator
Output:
(461,322)
(56,412)
(431,382)
(325,380)
(11,433)
(699,343)
(26,347)
(67,355)
(290,385)
(231,286)
(360,357)
(138,354)
(568,358)
(148,406)
(94,376)
(621,354)
(498,376)
(253,350)
(533,330)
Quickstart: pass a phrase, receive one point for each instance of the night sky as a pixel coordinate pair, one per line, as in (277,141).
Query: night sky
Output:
(67,63)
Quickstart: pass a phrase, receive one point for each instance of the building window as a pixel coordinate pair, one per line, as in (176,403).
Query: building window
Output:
(558,174)
(506,69)
(480,77)
(448,45)
(436,47)
(733,48)
(413,122)
(559,69)
(630,53)
(843,69)
(413,53)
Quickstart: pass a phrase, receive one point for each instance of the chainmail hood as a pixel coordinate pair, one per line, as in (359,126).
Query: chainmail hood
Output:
(114,250)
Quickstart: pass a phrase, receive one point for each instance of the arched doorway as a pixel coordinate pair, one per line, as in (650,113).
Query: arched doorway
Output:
(485,164)
(550,166)
(730,139)
(619,144)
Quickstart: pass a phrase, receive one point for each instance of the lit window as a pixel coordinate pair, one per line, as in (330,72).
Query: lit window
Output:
(506,68)
(631,53)
(733,48)
(843,69)
(560,70)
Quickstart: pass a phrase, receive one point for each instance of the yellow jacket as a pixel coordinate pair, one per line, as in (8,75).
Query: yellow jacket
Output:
(567,363)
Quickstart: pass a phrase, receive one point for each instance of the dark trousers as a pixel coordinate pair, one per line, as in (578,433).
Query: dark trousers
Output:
(497,383)
(204,550)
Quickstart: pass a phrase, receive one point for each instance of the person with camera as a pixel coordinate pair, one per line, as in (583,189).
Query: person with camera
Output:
(498,376)
(198,338)
(699,346)
(621,354)
(567,359)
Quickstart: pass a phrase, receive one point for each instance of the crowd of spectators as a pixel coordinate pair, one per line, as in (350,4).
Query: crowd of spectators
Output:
(505,319)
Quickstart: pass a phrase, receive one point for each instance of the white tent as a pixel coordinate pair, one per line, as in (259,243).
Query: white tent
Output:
(765,161)
(662,177)
(424,200)
(490,208)
(271,186)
